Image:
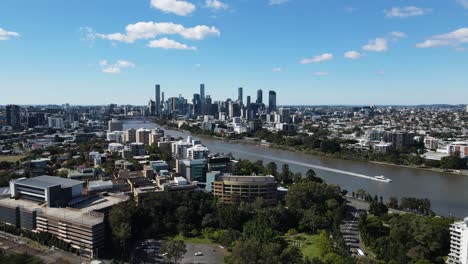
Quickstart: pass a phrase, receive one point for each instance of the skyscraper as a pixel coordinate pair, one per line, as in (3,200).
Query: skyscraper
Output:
(240,95)
(157,99)
(248,100)
(197,105)
(259,96)
(271,101)
(202,93)
(13,115)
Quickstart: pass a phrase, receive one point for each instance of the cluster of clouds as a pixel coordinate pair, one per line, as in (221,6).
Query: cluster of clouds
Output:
(115,68)
(149,30)
(185,8)
(379,44)
(406,11)
(6,35)
(454,38)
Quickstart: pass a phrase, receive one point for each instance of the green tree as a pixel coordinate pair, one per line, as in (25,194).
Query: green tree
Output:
(174,250)
(312,176)
(271,169)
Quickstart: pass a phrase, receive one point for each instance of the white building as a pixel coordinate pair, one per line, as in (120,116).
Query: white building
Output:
(56,122)
(116,136)
(461,147)
(431,143)
(198,152)
(179,149)
(115,147)
(459,243)
(382,147)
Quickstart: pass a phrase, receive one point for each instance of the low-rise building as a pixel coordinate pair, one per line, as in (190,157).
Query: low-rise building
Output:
(55,191)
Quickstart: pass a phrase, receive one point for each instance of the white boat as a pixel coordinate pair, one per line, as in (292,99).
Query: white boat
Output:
(382,178)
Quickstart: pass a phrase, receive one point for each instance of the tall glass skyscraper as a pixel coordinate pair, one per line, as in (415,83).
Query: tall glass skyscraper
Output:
(202,93)
(259,97)
(157,100)
(241,95)
(271,101)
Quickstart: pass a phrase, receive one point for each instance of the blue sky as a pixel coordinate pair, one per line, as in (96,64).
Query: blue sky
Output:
(308,51)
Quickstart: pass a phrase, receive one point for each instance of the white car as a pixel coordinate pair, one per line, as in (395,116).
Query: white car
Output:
(198,254)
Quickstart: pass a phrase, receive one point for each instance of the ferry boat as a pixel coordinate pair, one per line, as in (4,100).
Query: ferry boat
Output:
(382,178)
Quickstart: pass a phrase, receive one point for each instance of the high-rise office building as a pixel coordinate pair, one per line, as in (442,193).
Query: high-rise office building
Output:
(271,101)
(202,93)
(248,100)
(240,97)
(197,104)
(234,109)
(152,107)
(157,100)
(13,115)
(259,97)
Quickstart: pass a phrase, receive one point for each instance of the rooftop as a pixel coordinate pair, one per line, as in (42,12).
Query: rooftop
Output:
(69,214)
(239,178)
(48,181)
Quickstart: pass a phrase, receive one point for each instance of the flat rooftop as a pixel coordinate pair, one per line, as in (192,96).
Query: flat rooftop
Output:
(239,178)
(97,203)
(47,181)
(80,216)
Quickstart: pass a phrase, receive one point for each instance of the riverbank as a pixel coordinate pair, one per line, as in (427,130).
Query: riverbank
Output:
(317,153)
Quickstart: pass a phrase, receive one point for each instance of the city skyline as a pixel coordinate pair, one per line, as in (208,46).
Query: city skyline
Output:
(399,53)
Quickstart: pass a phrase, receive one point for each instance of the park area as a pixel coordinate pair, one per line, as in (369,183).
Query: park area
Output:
(306,243)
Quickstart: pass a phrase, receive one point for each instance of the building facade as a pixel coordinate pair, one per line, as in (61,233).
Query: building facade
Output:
(459,243)
(232,189)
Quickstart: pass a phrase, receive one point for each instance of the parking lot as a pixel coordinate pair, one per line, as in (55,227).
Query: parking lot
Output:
(212,254)
(149,252)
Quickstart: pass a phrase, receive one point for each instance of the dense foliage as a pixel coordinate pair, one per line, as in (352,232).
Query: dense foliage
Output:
(406,238)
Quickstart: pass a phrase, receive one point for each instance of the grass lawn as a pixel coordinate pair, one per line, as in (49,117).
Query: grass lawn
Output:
(11,158)
(307,244)
(194,240)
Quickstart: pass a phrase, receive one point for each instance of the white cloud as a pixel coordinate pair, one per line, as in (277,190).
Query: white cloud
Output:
(277,2)
(6,35)
(396,35)
(115,68)
(406,11)
(464,3)
(178,7)
(198,65)
(166,43)
(320,73)
(454,38)
(352,54)
(216,5)
(277,69)
(150,30)
(102,62)
(319,58)
(377,45)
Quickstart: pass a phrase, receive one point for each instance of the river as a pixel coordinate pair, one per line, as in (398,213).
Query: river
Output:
(448,192)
